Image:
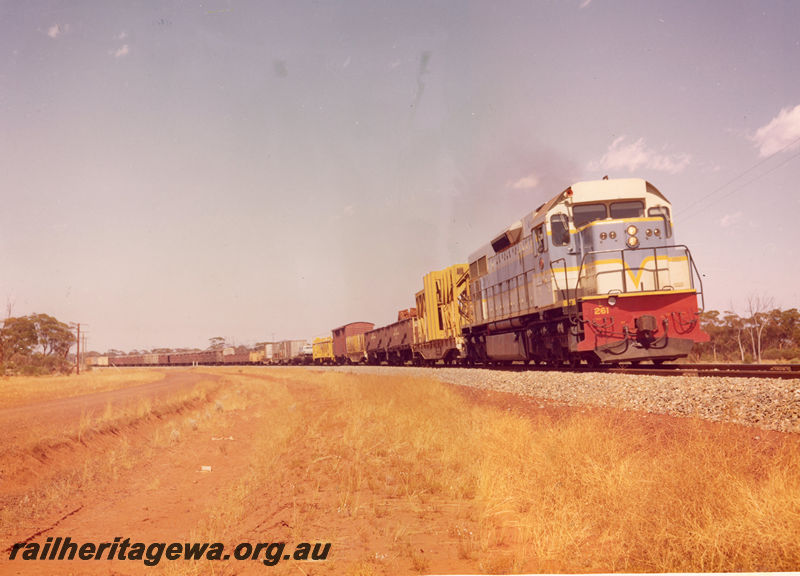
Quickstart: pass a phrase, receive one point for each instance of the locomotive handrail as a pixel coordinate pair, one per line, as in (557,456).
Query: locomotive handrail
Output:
(565,291)
(655,270)
(699,280)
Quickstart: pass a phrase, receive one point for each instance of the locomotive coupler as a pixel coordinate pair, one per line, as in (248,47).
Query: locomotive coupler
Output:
(646,325)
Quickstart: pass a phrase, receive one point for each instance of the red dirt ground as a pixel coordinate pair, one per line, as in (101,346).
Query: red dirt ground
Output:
(163,496)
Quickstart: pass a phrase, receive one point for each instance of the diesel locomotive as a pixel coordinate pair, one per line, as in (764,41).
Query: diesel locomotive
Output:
(592,275)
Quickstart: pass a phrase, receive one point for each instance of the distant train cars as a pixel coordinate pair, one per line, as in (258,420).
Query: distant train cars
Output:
(593,275)
(284,352)
(429,333)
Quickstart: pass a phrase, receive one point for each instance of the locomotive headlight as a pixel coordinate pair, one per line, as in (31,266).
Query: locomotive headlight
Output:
(648,233)
(612,300)
(603,235)
(612,235)
(658,233)
(633,241)
(632,230)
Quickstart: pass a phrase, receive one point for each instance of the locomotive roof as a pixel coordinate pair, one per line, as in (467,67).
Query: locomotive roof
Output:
(590,190)
(587,191)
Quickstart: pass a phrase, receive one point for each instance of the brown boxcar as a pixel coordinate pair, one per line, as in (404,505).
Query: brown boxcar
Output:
(192,358)
(234,356)
(130,360)
(340,338)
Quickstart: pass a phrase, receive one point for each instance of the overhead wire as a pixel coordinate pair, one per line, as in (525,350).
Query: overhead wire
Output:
(744,173)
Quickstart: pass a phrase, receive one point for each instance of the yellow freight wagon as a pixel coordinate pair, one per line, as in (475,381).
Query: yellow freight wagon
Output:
(323,350)
(257,356)
(442,308)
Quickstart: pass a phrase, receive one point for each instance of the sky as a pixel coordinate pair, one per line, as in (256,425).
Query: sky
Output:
(175,171)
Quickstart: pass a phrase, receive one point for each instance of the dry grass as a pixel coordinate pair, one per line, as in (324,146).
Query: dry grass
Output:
(373,464)
(15,390)
(571,493)
(565,491)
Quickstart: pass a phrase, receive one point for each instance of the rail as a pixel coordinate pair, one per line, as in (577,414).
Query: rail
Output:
(774,371)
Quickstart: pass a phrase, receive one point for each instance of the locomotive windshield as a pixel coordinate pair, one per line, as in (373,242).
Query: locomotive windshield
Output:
(583,214)
(629,209)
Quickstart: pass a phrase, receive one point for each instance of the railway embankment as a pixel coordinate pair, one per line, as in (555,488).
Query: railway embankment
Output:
(769,403)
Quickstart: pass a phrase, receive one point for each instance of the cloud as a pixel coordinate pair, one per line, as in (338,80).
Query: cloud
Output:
(57,30)
(347,212)
(782,131)
(730,219)
(635,156)
(122,52)
(526,183)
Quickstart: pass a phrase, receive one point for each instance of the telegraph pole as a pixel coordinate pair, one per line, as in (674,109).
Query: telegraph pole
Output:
(78,352)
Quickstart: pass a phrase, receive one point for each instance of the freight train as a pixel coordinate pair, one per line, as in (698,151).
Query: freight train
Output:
(593,275)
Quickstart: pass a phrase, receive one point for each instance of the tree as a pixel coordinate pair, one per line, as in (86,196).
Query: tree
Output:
(713,326)
(17,339)
(35,343)
(736,325)
(757,307)
(216,343)
(54,337)
(766,334)
(784,328)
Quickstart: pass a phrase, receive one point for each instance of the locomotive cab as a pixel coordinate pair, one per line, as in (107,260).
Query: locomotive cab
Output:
(635,288)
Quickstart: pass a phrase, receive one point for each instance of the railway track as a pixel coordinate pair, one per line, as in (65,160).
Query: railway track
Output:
(782,371)
(785,371)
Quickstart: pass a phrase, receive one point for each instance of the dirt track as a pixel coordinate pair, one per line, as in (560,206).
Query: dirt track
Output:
(151,498)
(50,415)
(143,478)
